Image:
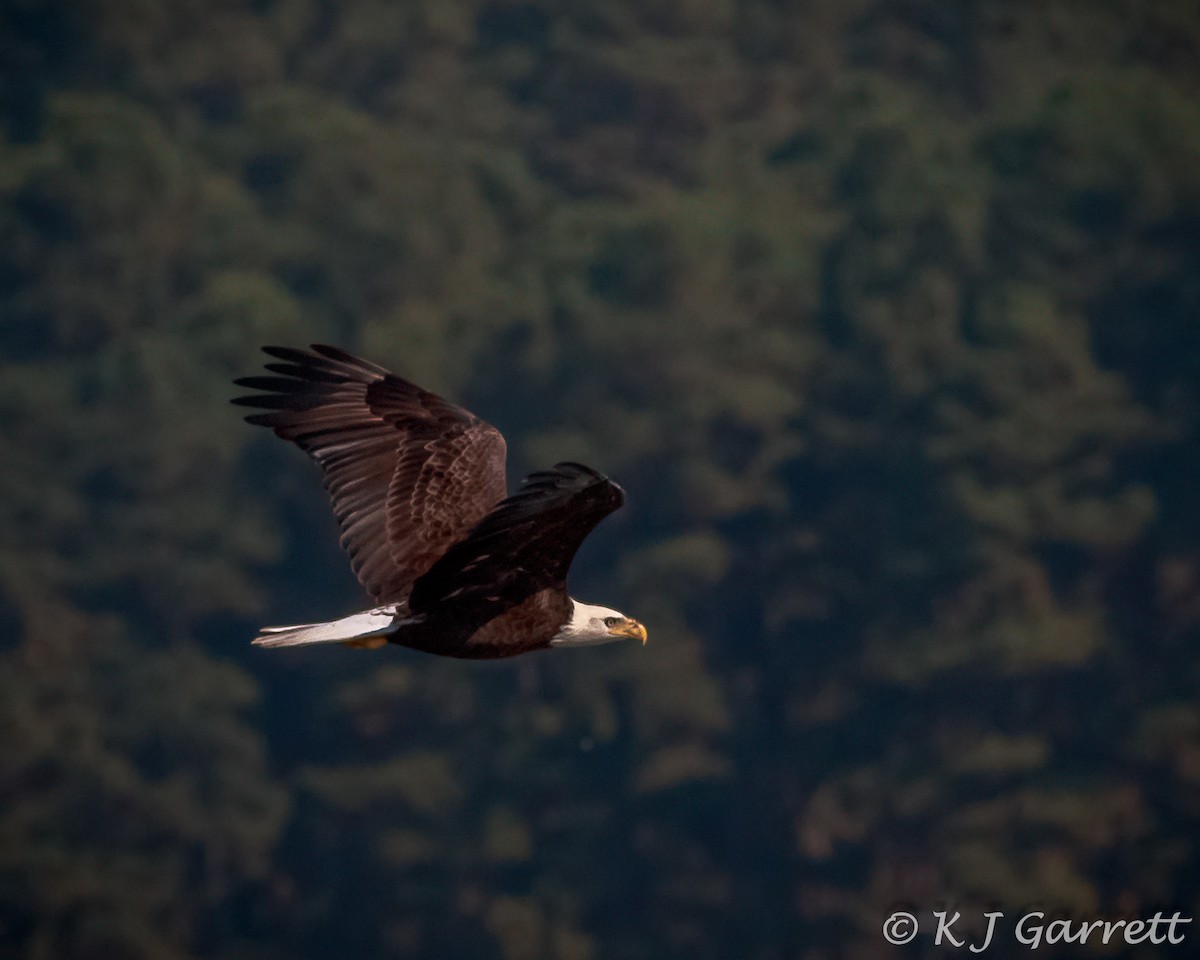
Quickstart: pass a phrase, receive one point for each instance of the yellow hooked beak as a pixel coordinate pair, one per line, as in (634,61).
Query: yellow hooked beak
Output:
(629,628)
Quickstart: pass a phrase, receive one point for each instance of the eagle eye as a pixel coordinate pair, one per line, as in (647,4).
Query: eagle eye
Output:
(611,621)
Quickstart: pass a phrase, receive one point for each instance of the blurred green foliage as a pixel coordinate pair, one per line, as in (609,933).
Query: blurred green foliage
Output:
(884,314)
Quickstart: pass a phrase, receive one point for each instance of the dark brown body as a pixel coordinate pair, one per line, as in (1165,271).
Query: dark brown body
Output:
(505,636)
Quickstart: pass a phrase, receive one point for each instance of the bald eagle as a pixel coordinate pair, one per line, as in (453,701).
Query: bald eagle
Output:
(418,486)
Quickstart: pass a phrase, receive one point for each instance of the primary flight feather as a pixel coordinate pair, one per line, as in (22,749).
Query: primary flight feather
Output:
(418,487)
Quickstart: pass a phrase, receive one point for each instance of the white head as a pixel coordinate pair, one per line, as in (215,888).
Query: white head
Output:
(590,625)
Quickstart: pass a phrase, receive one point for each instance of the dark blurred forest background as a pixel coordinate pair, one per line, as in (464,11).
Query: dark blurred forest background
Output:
(884,312)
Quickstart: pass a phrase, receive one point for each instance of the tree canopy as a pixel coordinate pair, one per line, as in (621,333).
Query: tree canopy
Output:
(884,314)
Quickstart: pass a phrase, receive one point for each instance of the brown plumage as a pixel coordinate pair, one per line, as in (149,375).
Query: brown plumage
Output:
(418,488)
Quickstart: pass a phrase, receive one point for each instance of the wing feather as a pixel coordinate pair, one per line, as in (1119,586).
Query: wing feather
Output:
(522,548)
(408,473)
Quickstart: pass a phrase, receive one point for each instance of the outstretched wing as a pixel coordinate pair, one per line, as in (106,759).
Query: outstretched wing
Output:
(522,547)
(409,473)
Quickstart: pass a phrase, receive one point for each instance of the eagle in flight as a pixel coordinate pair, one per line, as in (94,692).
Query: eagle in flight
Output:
(455,566)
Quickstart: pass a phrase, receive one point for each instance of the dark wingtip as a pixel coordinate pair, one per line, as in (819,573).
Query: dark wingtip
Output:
(566,472)
(290,354)
(323,357)
(338,355)
(567,477)
(574,466)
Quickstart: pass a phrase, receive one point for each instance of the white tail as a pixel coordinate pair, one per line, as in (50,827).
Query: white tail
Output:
(367,629)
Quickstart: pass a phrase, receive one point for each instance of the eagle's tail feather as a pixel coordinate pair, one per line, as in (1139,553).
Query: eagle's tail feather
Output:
(368,629)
